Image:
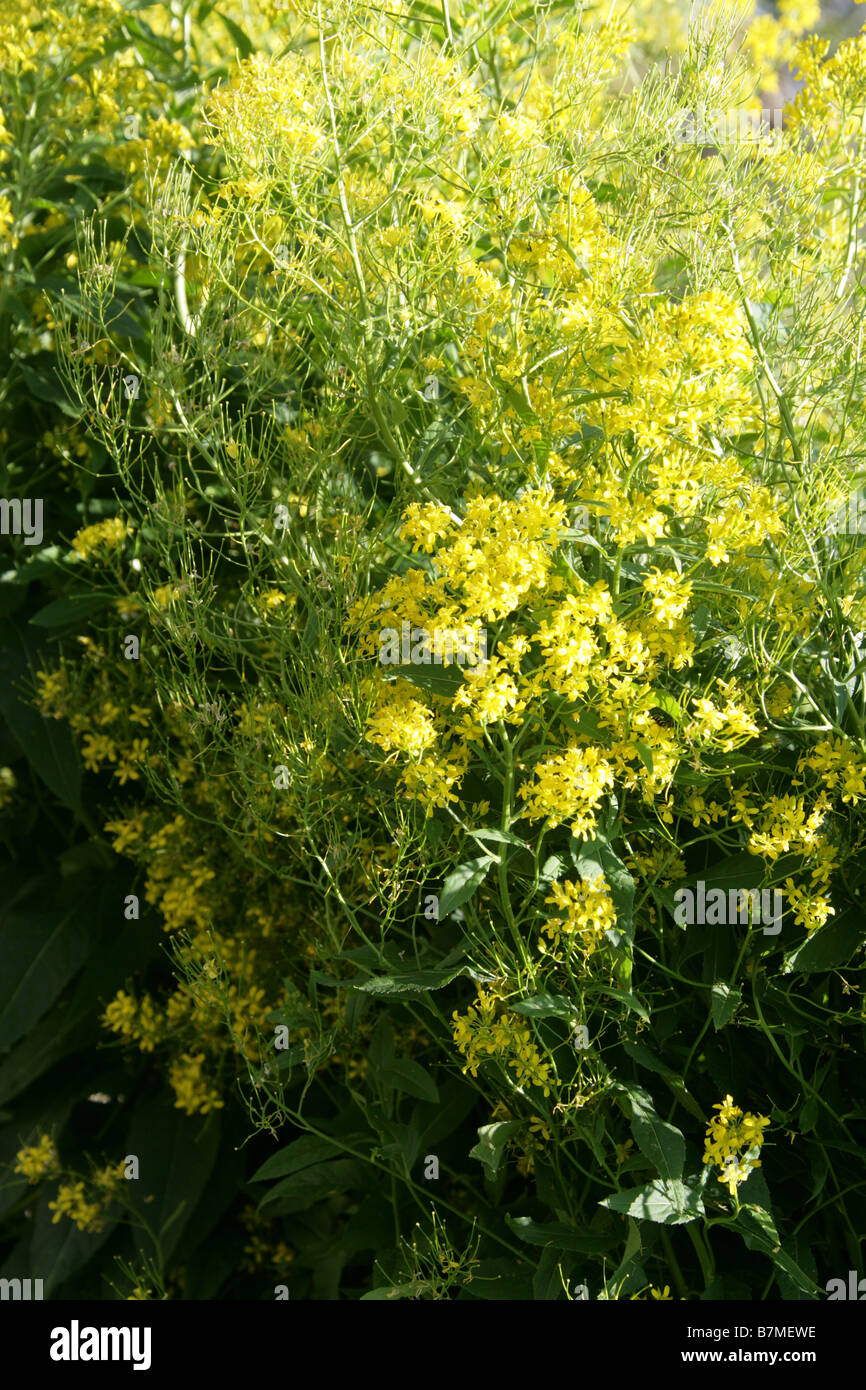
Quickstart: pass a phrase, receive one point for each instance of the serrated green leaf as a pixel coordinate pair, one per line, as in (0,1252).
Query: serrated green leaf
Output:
(492,1140)
(665,1203)
(40,952)
(724,1003)
(758,1230)
(69,611)
(830,946)
(300,1190)
(462,883)
(412,982)
(560,1236)
(411,1079)
(657,1140)
(547,1282)
(546,1006)
(301,1153)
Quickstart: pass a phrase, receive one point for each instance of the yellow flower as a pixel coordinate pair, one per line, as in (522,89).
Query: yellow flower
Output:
(72,1202)
(589,913)
(103,535)
(669,595)
(401,722)
(38,1161)
(194,1094)
(732,1143)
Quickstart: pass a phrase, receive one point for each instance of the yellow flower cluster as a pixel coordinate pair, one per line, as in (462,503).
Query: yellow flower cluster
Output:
(669,595)
(810,910)
(72,1202)
(139,1023)
(569,788)
(8,786)
(479,1033)
(690,366)
(401,722)
(787,824)
(262,1249)
(31,35)
(38,1161)
(840,768)
(589,912)
(732,1142)
(194,1094)
(563,637)
(727,727)
(72,1199)
(104,535)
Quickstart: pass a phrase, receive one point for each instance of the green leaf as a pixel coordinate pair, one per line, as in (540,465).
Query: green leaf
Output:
(40,953)
(737,871)
(560,1236)
(69,611)
(663,701)
(46,385)
(796,1248)
(74,1021)
(302,1153)
(47,743)
(629,1276)
(411,1079)
(412,982)
(758,1230)
(433,680)
(547,1006)
(645,755)
(492,1139)
(630,1000)
(405,1142)
(555,867)
(658,1141)
(675,1084)
(300,1190)
(498,1279)
(177,1154)
(665,1203)
(380,1050)
(724,1003)
(830,946)
(455,1103)
(547,1280)
(462,883)
(500,836)
(60,1249)
(244,44)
